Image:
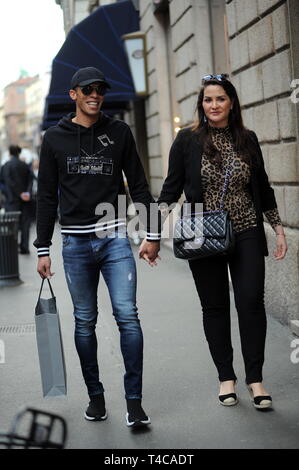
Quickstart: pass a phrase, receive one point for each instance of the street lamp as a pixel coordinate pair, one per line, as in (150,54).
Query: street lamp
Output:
(177,121)
(135,46)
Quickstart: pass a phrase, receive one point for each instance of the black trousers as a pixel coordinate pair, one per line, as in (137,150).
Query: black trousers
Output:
(247,269)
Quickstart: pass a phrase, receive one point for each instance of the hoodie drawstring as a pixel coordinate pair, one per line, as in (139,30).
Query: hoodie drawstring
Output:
(79,145)
(79,142)
(92,140)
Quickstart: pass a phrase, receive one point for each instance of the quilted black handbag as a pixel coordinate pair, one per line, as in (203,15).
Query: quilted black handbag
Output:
(204,234)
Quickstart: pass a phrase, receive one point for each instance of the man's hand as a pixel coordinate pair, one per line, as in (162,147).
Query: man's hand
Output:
(44,267)
(149,252)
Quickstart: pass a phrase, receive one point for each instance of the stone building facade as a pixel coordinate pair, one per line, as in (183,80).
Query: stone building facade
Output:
(15,110)
(75,11)
(257,42)
(264,59)
(21,113)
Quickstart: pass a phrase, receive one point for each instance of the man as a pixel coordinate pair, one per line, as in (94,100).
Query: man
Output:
(17,179)
(81,164)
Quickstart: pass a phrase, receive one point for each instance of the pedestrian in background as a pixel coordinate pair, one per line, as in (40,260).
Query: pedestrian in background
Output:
(82,159)
(34,169)
(2,189)
(17,179)
(199,158)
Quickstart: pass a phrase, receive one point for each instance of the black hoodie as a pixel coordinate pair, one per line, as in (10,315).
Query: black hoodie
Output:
(80,169)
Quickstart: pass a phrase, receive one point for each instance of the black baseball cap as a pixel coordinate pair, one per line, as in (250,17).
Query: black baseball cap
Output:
(86,76)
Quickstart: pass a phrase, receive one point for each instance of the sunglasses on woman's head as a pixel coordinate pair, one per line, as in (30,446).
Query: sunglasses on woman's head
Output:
(88,89)
(220,77)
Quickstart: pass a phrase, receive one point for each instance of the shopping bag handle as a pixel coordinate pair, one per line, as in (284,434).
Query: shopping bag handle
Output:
(41,288)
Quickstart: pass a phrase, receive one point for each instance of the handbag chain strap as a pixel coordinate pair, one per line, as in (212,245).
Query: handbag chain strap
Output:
(41,288)
(225,185)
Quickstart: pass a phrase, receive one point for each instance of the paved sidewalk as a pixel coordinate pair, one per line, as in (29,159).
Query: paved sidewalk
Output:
(180,380)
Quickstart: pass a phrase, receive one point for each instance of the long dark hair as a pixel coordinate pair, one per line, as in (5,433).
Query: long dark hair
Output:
(240,135)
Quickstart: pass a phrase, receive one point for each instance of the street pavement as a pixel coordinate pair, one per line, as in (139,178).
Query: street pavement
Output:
(180,380)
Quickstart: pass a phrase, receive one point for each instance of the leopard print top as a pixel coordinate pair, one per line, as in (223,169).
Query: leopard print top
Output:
(237,200)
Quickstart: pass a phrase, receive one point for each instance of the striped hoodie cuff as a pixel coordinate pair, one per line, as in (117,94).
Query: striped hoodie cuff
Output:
(153,237)
(43,251)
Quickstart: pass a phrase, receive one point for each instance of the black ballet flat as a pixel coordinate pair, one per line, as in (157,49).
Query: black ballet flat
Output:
(230,399)
(260,402)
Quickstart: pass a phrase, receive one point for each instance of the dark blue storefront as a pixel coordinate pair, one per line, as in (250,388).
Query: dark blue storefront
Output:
(96,41)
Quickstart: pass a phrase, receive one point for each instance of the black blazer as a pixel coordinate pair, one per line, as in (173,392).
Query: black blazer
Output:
(184,174)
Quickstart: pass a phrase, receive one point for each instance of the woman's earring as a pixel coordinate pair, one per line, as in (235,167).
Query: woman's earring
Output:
(204,118)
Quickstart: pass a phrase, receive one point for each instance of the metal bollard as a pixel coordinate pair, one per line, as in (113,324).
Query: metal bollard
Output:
(9,260)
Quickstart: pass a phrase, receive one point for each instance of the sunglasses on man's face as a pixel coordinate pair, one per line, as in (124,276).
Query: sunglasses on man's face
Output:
(220,77)
(88,89)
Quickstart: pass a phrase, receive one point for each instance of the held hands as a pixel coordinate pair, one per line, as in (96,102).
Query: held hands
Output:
(44,267)
(149,252)
(25,197)
(281,247)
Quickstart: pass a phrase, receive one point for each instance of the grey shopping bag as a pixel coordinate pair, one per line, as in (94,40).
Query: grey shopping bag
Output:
(49,345)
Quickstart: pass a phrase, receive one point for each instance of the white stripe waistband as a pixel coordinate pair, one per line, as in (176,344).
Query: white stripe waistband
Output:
(98,224)
(95,228)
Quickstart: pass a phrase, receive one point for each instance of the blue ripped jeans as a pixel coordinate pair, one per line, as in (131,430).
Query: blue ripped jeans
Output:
(84,258)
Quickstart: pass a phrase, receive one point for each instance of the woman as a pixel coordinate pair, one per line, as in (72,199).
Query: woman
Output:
(198,161)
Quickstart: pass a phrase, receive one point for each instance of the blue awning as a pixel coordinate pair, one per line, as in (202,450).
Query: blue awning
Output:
(96,41)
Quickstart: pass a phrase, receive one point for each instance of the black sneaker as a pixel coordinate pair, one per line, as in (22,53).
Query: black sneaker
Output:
(136,416)
(96,410)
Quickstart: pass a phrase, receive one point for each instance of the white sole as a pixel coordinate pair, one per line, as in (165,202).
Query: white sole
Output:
(89,418)
(268,404)
(229,403)
(138,423)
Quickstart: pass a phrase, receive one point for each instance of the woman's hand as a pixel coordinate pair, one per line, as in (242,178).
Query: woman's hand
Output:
(281,246)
